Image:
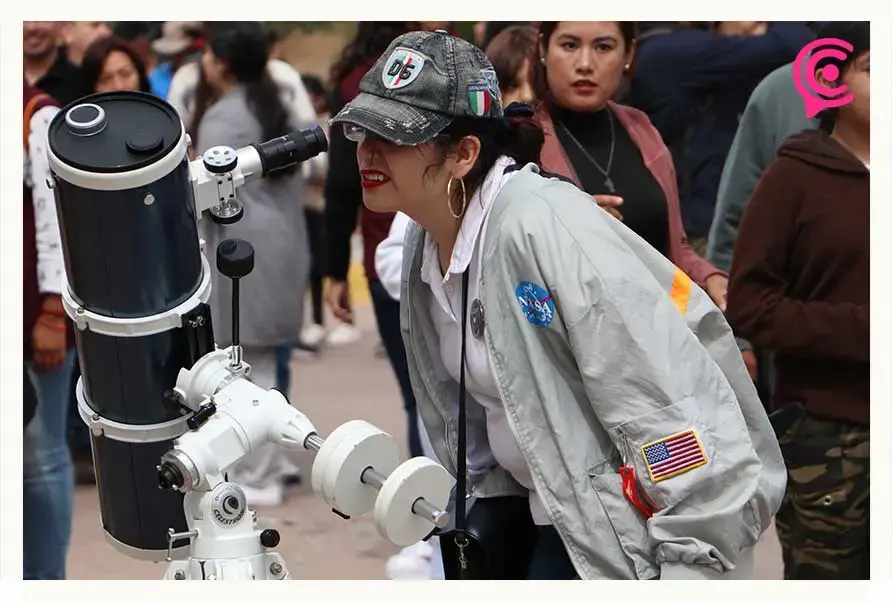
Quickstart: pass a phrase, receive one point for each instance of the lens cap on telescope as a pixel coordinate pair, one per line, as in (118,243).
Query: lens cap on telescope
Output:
(114,132)
(143,143)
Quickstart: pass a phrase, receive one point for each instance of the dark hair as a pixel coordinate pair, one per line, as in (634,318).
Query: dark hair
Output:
(856,33)
(272,37)
(204,97)
(518,137)
(96,55)
(130,30)
(243,46)
(508,52)
(538,79)
(491,29)
(315,86)
(370,41)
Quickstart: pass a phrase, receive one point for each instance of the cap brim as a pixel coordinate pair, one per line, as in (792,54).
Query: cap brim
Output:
(167,47)
(392,120)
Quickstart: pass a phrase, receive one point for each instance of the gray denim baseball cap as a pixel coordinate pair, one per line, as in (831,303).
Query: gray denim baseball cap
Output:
(420,84)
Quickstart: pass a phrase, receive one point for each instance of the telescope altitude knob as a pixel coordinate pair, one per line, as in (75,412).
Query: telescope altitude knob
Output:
(270,538)
(235,258)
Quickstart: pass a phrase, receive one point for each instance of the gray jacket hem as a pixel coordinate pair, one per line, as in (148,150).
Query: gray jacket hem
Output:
(683,571)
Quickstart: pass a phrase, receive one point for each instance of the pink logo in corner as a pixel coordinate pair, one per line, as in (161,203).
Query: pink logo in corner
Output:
(813,93)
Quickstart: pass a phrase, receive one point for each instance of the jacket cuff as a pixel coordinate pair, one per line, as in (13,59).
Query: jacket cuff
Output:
(682,571)
(713,271)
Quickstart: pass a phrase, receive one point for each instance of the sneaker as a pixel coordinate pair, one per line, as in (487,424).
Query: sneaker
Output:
(292,479)
(266,497)
(411,563)
(313,335)
(343,334)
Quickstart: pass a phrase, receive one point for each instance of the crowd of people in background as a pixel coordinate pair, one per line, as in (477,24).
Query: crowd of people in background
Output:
(690,133)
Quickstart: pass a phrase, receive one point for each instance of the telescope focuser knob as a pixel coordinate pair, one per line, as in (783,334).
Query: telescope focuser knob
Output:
(220,160)
(235,258)
(270,538)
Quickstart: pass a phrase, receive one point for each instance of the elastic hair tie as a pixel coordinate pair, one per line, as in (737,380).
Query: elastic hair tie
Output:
(517,109)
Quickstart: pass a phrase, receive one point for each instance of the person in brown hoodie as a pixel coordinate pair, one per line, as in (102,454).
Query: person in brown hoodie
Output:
(799,286)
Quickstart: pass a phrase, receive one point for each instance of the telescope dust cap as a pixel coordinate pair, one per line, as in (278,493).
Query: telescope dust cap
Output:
(85,119)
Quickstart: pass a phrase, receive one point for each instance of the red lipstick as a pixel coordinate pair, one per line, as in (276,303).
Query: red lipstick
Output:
(373,178)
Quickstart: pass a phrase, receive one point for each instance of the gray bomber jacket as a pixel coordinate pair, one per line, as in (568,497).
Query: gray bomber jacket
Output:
(594,333)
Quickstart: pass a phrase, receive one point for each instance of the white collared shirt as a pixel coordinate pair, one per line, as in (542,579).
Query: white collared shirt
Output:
(446,311)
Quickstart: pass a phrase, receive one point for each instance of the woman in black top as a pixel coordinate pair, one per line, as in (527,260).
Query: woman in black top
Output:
(592,139)
(611,151)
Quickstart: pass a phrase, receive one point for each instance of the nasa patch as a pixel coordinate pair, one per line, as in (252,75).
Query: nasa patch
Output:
(535,303)
(402,68)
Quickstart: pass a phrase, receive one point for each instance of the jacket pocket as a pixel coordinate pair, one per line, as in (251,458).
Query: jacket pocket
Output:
(629,527)
(690,448)
(828,483)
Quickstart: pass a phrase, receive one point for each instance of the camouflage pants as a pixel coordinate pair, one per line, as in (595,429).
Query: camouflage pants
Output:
(823,522)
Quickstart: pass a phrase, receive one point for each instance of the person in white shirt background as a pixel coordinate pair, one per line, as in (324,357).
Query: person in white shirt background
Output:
(185,82)
(49,358)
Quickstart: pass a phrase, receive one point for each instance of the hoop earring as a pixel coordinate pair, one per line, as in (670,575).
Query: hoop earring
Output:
(464,198)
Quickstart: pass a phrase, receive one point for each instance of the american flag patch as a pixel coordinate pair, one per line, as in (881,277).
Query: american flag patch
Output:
(673,455)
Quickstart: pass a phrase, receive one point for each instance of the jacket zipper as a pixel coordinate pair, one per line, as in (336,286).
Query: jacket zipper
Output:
(625,447)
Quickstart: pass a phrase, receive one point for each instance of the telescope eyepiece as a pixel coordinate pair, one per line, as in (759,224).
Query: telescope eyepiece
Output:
(290,149)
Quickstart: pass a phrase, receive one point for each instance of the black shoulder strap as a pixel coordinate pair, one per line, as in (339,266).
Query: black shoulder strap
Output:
(461,486)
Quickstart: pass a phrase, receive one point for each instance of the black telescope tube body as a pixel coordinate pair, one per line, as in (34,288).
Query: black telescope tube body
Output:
(129,233)
(130,242)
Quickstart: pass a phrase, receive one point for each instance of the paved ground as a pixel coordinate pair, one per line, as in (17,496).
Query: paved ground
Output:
(347,383)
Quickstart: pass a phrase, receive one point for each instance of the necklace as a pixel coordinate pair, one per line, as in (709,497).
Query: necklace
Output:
(607,181)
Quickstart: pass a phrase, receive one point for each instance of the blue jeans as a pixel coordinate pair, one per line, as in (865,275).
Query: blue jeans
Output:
(48,477)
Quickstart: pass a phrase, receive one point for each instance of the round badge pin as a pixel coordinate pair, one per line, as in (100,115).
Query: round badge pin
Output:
(477,319)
